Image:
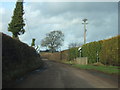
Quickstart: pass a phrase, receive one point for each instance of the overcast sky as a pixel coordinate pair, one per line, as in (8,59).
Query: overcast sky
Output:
(43,17)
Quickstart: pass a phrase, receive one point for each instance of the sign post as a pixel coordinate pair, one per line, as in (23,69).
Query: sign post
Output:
(80,50)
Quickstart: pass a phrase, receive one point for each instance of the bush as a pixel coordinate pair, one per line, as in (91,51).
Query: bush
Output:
(73,53)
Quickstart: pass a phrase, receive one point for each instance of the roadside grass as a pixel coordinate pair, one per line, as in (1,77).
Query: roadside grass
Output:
(105,69)
(102,68)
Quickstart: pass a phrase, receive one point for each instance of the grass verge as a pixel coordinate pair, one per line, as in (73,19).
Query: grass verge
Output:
(102,68)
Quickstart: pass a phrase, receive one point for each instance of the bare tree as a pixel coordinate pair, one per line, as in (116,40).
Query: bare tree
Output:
(53,40)
(75,44)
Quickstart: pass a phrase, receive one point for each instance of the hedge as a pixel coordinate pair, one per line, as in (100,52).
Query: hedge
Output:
(17,59)
(107,50)
(91,50)
(73,53)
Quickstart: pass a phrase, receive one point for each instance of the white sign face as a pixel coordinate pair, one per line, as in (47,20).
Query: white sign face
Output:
(79,48)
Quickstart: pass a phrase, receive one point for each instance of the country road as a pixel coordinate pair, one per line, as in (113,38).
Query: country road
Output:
(57,75)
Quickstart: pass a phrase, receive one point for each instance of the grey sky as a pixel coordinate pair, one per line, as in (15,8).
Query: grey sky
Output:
(43,17)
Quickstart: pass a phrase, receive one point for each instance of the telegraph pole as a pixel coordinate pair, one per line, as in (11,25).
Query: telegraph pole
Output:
(85,30)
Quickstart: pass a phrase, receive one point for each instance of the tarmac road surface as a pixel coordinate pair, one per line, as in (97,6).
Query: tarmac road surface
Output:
(57,75)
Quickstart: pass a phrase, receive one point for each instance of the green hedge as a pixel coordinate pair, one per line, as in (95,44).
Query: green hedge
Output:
(107,51)
(90,50)
(73,53)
